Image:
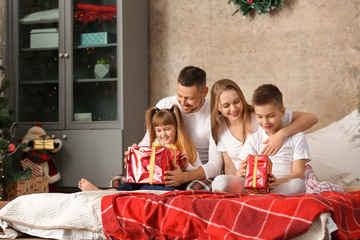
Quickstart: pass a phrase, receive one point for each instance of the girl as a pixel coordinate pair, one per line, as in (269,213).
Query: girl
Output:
(165,126)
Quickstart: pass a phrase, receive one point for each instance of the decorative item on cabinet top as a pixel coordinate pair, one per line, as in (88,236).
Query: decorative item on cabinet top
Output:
(90,12)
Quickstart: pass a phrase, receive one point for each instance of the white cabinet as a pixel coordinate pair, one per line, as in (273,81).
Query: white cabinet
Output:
(54,47)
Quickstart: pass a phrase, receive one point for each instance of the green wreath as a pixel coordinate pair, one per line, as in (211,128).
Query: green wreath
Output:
(260,6)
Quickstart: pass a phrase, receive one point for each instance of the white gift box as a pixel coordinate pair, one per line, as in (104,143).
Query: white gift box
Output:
(44,38)
(82,117)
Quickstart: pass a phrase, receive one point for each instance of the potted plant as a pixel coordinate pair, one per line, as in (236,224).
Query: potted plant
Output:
(101,69)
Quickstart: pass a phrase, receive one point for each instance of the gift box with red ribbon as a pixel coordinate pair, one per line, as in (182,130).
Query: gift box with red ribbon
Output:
(257,174)
(147,165)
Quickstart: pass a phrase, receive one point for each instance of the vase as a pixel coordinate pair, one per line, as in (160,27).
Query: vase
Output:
(101,70)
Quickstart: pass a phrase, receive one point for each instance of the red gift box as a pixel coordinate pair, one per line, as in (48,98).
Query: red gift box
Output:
(148,164)
(257,174)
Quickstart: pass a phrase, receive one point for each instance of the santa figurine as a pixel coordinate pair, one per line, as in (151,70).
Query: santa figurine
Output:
(40,150)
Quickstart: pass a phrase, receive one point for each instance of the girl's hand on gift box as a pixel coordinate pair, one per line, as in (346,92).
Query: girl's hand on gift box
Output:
(274,181)
(184,160)
(127,153)
(242,168)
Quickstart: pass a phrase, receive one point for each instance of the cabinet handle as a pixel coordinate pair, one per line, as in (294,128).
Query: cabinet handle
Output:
(64,136)
(61,55)
(66,55)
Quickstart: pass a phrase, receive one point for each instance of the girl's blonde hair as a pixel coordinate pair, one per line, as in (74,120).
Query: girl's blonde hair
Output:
(156,117)
(218,88)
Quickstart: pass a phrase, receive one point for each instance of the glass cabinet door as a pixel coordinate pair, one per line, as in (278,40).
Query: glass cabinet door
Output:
(38,63)
(94,63)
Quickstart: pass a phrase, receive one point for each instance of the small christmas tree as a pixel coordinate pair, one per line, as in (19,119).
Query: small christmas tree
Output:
(7,171)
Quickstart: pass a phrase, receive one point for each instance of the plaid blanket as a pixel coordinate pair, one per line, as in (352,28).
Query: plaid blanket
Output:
(206,215)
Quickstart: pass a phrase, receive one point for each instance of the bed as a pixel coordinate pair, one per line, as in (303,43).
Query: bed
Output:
(206,215)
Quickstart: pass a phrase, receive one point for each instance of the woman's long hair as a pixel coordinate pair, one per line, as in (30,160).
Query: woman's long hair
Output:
(218,88)
(156,117)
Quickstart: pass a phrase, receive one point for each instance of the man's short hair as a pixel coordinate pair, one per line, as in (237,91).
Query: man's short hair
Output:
(267,93)
(190,76)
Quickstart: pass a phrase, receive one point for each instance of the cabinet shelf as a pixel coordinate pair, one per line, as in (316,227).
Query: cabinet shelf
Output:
(86,80)
(34,82)
(96,46)
(38,22)
(81,80)
(76,47)
(38,49)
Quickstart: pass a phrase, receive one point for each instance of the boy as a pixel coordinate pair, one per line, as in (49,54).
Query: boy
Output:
(288,163)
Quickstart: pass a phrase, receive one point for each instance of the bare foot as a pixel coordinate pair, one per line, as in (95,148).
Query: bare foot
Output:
(85,185)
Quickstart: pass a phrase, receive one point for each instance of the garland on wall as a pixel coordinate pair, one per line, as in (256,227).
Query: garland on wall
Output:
(260,6)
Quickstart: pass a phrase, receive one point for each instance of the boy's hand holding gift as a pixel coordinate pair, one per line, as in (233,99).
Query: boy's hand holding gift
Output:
(258,174)
(274,182)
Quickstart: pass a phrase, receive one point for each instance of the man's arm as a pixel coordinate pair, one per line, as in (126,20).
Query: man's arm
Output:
(301,121)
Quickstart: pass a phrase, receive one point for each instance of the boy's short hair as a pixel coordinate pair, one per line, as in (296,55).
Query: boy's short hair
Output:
(267,93)
(190,76)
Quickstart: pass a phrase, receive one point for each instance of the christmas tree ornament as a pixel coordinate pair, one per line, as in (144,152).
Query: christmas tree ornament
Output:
(12,148)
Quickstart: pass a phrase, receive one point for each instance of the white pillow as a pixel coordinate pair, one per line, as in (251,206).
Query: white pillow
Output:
(326,173)
(335,150)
